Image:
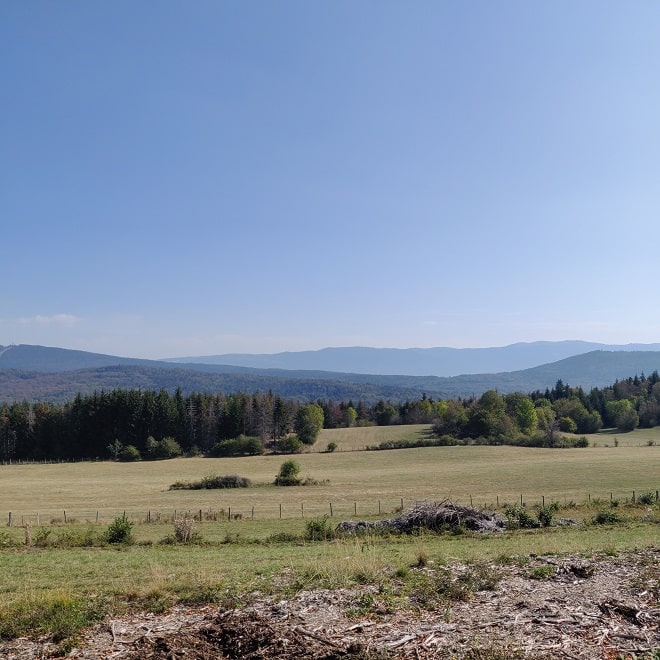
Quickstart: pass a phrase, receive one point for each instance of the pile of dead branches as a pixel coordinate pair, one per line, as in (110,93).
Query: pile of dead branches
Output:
(433,516)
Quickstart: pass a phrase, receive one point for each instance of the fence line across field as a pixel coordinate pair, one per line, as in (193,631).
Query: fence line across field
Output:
(302,509)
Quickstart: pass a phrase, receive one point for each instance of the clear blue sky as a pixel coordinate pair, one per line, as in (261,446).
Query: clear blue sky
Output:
(193,178)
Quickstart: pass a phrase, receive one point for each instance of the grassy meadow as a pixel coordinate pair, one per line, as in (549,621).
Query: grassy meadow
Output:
(353,482)
(66,567)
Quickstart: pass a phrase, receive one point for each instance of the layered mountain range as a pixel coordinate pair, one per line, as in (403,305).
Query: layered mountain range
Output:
(39,373)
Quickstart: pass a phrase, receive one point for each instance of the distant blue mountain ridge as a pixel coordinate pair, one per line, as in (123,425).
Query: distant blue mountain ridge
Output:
(440,361)
(38,373)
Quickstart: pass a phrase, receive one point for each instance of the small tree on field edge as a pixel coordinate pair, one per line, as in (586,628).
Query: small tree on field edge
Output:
(288,474)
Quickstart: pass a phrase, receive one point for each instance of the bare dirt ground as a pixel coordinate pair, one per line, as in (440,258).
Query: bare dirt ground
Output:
(598,607)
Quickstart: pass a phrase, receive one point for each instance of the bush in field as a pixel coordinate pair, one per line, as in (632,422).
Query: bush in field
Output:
(288,474)
(319,529)
(119,531)
(183,530)
(442,441)
(243,445)
(213,481)
(332,446)
(546,514)
(519,516)
(167,448)
(288,445)
(646,498)
(129,453)
(605,518)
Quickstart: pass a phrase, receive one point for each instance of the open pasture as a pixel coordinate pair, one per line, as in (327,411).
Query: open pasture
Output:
(67,577)
(353,482)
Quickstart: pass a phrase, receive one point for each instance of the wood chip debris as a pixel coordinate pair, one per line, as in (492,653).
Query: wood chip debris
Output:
(611,612)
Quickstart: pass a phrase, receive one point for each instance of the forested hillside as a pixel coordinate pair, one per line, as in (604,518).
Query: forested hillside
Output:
(132,424)
(595,369)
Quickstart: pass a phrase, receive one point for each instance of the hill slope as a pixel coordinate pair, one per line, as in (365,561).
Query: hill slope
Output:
(597,368)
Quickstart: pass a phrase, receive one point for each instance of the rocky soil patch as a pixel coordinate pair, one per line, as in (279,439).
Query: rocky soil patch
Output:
(551,607)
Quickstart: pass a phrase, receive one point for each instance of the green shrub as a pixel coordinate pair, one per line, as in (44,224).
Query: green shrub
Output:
(6,541)
(545,515)
(567,425)
(606,518)
(227,481)
(518,516)
(646,498)
(119,531)
(167,448)
(288,474)
(213,481)
(243,445)
(442,441)
(129,453)
(332,446)
(319,529)
(42,537)
(288,445)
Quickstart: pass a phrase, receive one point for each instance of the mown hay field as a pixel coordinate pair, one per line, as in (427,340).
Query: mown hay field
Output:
(60,578)
(361,483)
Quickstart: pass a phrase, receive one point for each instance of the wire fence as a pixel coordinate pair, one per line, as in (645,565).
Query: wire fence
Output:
(305,509)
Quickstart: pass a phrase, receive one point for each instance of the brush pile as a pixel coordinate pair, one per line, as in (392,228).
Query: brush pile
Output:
(435,517)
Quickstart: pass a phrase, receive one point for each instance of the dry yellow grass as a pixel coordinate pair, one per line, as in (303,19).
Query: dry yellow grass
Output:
(349,480)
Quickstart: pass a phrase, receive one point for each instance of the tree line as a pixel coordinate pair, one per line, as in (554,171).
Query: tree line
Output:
(132,424)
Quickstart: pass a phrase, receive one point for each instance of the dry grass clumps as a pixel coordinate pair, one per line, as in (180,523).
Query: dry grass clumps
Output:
(435,517)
